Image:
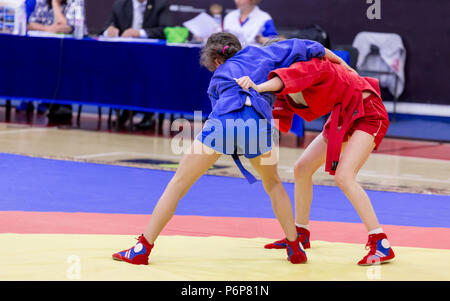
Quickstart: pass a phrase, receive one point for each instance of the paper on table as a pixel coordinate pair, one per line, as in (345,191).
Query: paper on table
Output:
(202,26)
(120,39)
(46,34)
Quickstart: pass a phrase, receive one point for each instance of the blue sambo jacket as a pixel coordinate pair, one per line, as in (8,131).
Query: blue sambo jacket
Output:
(227,96)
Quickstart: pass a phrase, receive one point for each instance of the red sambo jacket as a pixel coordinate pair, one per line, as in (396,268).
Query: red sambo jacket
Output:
(326,87)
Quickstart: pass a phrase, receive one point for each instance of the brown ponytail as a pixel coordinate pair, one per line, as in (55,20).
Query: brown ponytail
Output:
(221,46)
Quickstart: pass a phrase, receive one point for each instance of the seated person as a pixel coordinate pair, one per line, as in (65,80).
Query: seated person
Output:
(54,16)
(41,15)
(249,23)
(138,19)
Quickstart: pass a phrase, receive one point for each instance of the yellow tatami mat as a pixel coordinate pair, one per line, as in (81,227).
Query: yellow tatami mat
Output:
(88,257)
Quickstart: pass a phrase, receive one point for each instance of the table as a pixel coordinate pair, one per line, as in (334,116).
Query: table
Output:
(140,76)
(136,75)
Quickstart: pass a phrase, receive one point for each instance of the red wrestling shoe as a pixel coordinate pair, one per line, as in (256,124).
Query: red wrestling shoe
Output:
(296,253)
(380,250)
(136,255)
(281,244)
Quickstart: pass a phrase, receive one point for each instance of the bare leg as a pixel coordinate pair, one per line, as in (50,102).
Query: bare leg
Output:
(308,163)
(355,154)
(192,166)
(281,203)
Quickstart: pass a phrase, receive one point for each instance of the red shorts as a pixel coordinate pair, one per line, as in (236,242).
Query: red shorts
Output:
(374,122)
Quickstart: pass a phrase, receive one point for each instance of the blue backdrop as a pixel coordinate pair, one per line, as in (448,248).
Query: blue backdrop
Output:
(134,75)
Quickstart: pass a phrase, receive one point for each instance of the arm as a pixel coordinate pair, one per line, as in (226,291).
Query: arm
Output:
(57,12)
(35,22)
(337,60)
(273,85)
(110,29)
(54,28)
(38,27)
(268,31)
(111,32)
(165,20)
(302,75)
(285,53)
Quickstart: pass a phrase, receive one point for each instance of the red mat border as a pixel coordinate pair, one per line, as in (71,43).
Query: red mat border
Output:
(22,222)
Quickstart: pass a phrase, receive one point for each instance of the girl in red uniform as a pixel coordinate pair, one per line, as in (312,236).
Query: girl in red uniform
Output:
(239,124)
(357,124)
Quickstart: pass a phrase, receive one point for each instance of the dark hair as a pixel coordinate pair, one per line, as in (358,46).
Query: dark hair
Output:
(49,3)
(220,46)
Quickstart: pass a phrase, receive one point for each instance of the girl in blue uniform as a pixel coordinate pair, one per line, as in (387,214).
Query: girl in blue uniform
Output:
(240,124)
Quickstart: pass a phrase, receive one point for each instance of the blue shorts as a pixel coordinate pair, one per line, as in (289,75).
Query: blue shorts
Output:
(245,132)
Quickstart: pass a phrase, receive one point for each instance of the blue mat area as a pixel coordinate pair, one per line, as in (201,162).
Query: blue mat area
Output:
(35,184)
(417,128)
(406,126)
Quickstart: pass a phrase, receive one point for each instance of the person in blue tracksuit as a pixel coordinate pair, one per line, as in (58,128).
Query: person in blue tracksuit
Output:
(240,124)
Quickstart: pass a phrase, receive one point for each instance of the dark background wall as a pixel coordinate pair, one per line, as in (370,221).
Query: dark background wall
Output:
(424,26)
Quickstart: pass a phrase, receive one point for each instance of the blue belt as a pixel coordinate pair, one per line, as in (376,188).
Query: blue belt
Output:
(250,178)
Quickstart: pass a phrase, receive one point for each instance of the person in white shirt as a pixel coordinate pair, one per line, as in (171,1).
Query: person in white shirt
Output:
(249,23)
